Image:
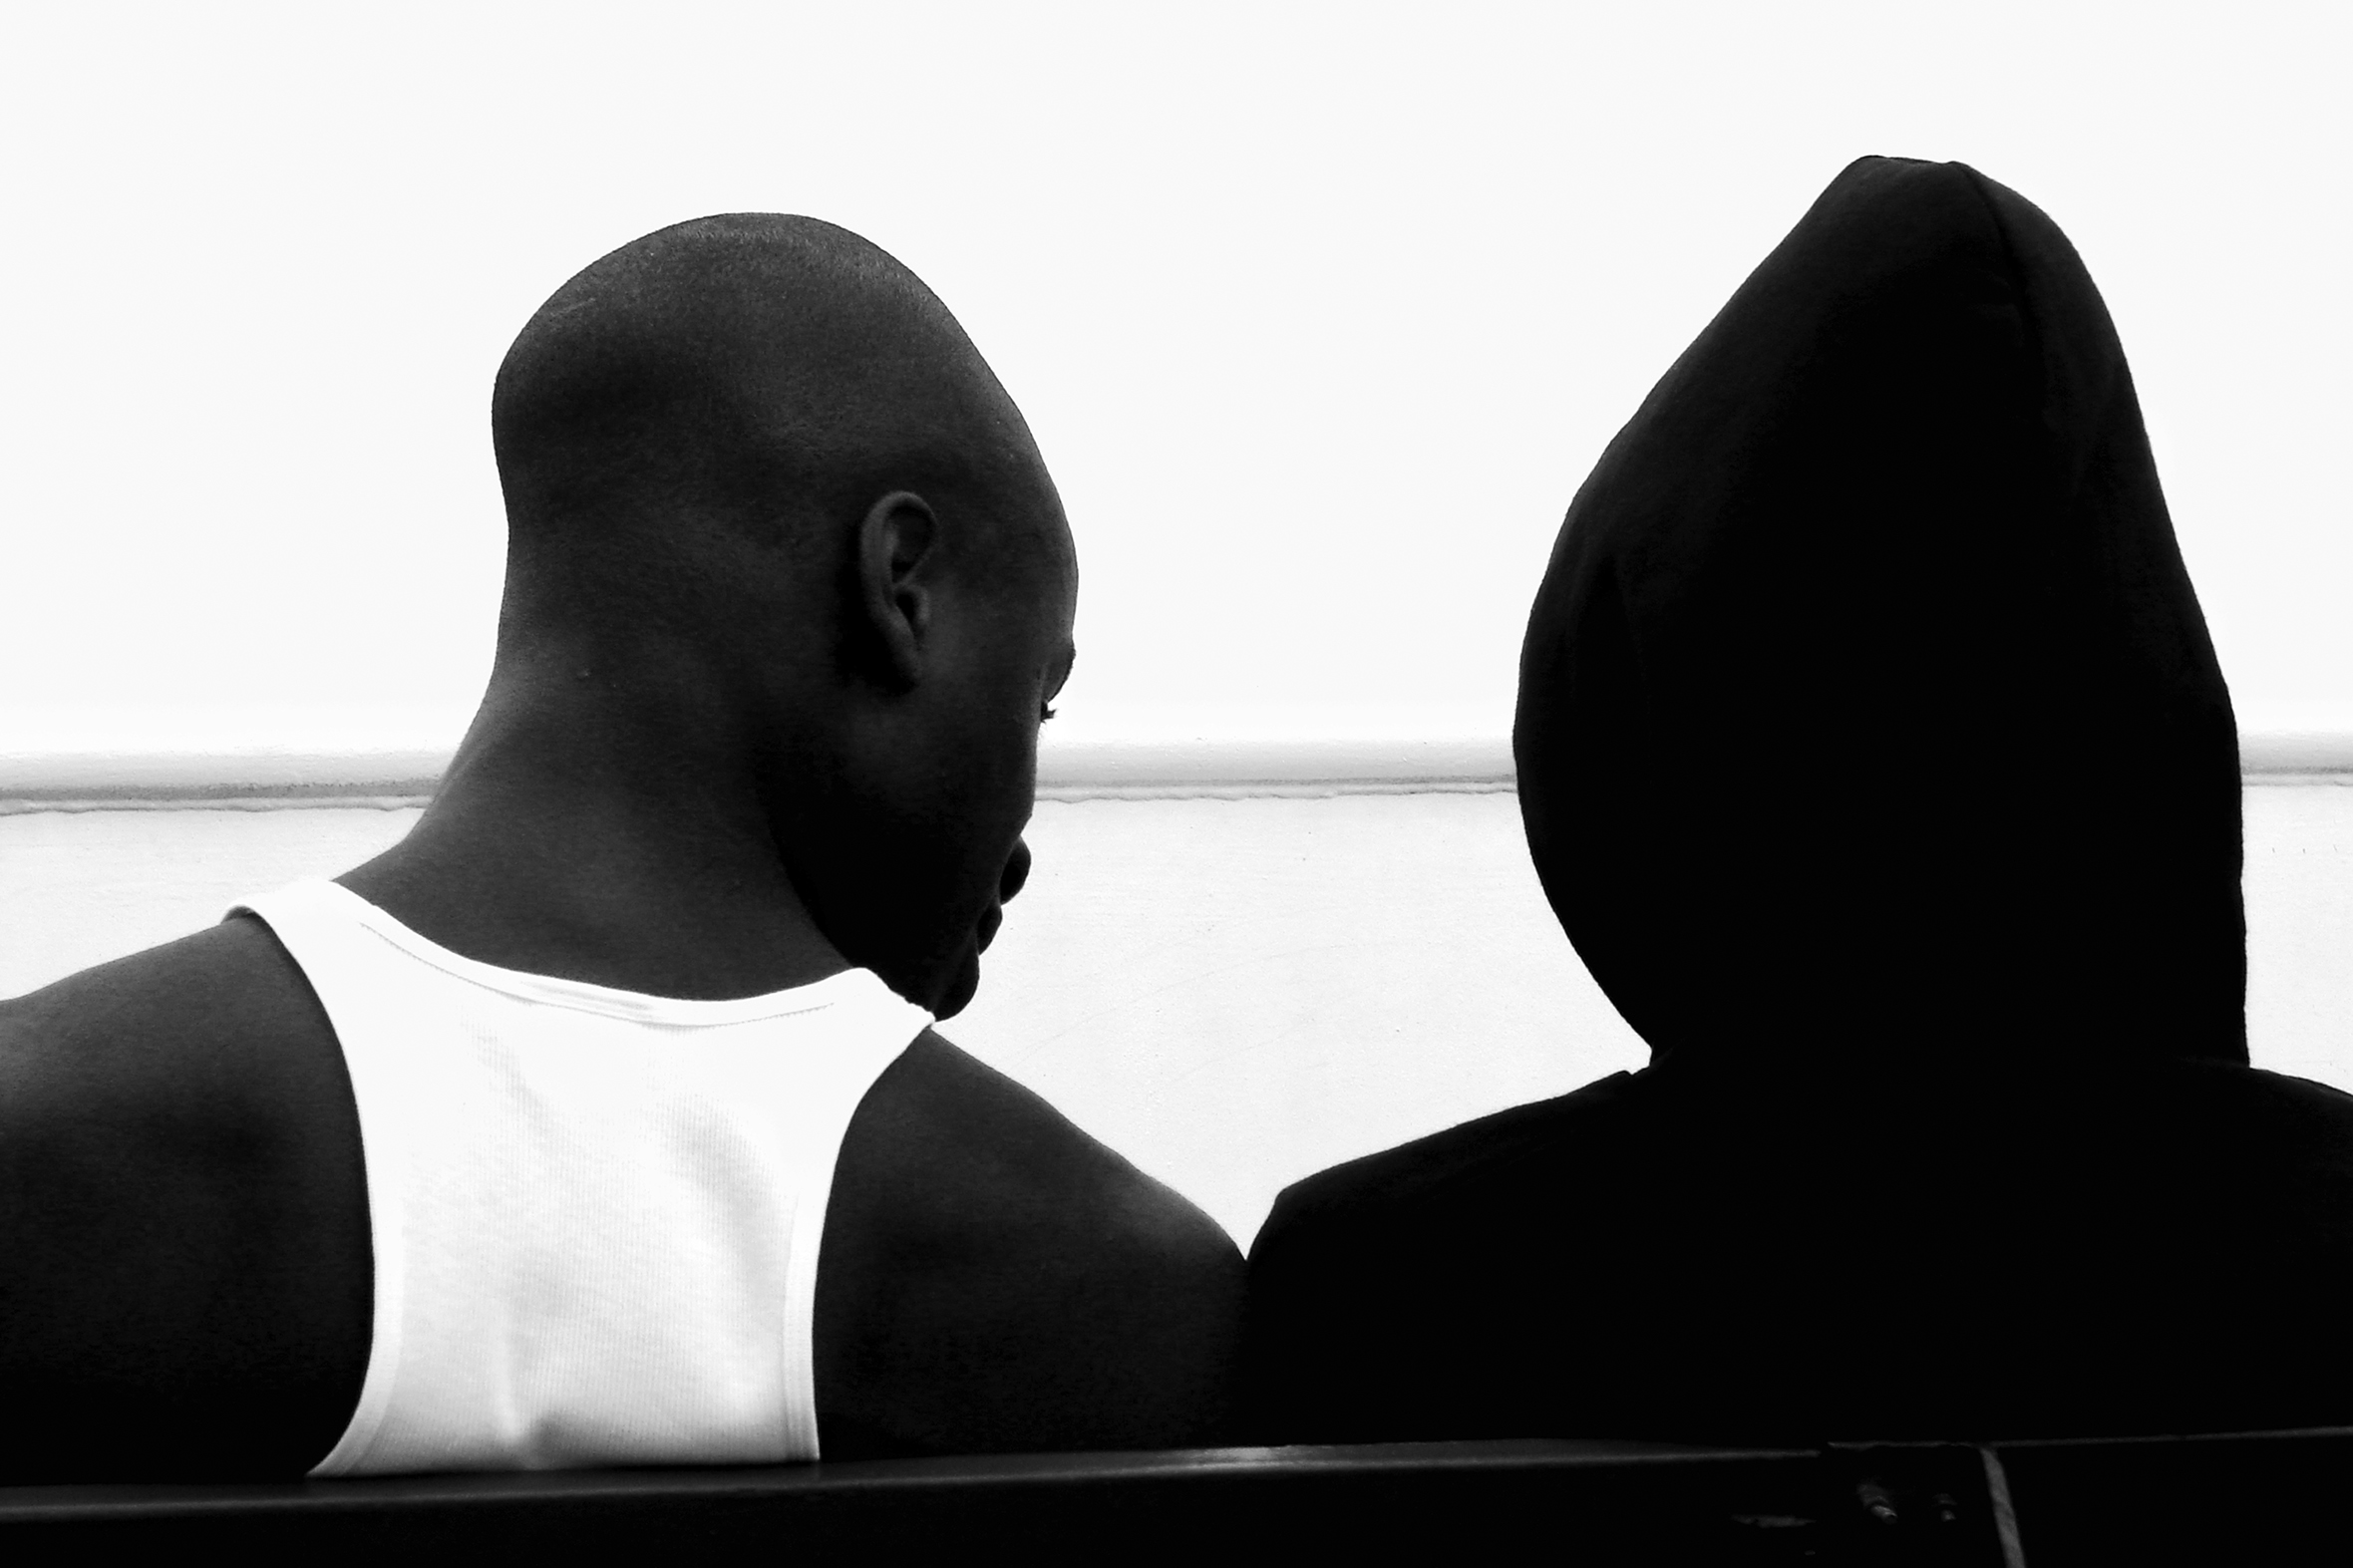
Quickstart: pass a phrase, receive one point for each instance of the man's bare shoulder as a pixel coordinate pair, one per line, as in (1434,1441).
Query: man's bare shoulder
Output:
(995,1278)
(1013,1151)
(182,1023)
(184,1214)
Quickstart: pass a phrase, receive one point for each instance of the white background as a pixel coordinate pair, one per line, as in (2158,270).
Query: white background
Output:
(1320,312)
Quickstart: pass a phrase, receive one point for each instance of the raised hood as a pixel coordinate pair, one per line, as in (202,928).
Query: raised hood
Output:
(1867,711)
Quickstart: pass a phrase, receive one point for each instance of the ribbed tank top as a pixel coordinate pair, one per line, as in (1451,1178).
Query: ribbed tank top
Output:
(596,1215)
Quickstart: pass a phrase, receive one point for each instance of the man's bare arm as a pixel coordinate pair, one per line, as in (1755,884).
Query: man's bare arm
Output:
(184,1268)
(994,1279)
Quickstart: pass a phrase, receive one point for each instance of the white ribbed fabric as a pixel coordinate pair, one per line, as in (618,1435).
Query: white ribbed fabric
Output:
(595,1214)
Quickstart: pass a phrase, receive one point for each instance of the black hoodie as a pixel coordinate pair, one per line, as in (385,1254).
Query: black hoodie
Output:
(1875,757)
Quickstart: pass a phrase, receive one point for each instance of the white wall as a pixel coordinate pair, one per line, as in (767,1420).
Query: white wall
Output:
(1233,991)
(1321,310)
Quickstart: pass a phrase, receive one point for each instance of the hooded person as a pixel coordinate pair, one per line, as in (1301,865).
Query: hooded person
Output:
(1873,756)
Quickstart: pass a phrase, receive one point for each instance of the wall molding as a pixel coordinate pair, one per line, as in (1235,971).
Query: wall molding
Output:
(2295,755)
(259,780)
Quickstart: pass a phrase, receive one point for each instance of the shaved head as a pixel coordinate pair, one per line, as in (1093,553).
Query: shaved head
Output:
(750,373)
(778,534)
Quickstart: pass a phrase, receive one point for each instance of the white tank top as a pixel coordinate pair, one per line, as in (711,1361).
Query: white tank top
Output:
(595,1214)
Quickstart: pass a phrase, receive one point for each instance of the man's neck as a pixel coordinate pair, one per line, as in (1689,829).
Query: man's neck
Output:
(566,841)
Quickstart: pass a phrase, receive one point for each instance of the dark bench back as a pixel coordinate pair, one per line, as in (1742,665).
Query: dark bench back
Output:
(2259,1498)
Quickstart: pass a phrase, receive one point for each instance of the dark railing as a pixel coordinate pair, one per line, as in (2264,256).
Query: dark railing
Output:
(2259,1498)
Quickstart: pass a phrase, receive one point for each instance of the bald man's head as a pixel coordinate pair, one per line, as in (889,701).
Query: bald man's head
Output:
(751,371)
(760,482)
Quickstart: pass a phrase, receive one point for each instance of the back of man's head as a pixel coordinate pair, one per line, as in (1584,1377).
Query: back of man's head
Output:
(765,495)
(751,370)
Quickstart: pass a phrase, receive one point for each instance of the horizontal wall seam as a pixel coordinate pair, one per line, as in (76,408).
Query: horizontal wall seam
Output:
(1285,790)
(1196,768)
(197,800)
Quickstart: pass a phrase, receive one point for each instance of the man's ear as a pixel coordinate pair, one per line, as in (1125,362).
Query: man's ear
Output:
(896,580)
